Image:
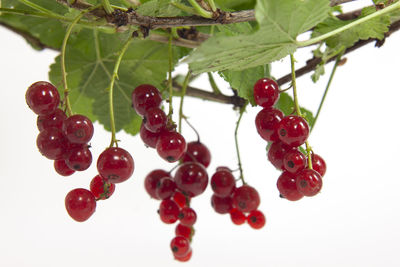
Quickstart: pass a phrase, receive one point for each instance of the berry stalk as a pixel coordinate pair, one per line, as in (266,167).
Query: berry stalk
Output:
(183,93)
(242,110)
(200,10)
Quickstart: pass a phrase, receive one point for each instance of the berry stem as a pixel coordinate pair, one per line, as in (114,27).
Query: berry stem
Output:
(111,90)
(170,88)
(107,6)
(194,129)
(242,110)
(213,84)
(199,10)
(212,5)
(183,93)
(185,8)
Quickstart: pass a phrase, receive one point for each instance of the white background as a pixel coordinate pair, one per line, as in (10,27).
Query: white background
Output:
(353,222)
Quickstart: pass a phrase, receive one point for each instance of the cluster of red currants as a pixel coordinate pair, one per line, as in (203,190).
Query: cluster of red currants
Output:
(175,192)
(287,134)
(157,130)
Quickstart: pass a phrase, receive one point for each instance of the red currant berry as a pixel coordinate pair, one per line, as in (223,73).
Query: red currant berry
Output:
(318,164)
(61,168)
(308,182)
(79,159)
(54,119)
(294,161)
(223,183)
(191,178)
(42,98)
(52,143)
(276,153)
(237,217)
(180,246)
(78,129)
(223,168)
(266,92)
(287,186)
(180,199)
(187,216)
(293,130)
(155,120)
(183,230)
(151,181)
(185,258)
(197,152)
(256,219)
(165,188)
(171,146)
(245,198)
(145,96)
(267,121)
(221,205)
(169,211)
(100,188)
(80,204)
(149,139)
(115,164)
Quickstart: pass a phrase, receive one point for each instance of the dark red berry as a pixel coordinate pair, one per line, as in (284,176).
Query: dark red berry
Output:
(51,120)
(155,120)
(168,211)
(61,168)
(185,258)
(266,92)
(223,183)
(180,246)
(149,139)
(145,96)
(171,146)
(308,182)
(180,199)
(221,205)
(187,216)
(78,129)
(42,98)
(318,164)
(79,159)
(165,188)
(115,164)
(197,152)
(245,198)
(100,188)
(294,161)
(80,204)
(237,217)
(183,230)
(287,186)
(223,168)
(151,181)
(52,143)
(256,219)
(267,121)
(293,130)
(276,153)
(191,178)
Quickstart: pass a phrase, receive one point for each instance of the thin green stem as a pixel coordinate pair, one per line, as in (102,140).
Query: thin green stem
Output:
(36,7)
(183,93)
(322,37)
(242,110)
(170,67)
(111,90)
(199,10)
(184,8)
(213,84)
(212,5)
(107,6)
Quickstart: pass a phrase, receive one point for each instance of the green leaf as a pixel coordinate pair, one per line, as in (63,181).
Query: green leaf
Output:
(235,4)
(159,8)
(279,24)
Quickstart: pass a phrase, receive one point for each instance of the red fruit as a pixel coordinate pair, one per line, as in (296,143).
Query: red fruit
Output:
(191,178)
(168,211)
(267,121)
(145,96)
(183,230)
(51,120)
(308,182)
(100,188)
(256,219)
(115,164)
(184,258)
(221,205)
(61,168)
(180,246)
(276,153)
(79,159)
(197,152)
(78,129)
(187,216)
(180,199)
(293,130)
(294,161)
(165,188)
(171,146)
(149,139)
(237,217)
(42,98)
(52,143)
(223,168)
(80,204)
(223,183)
(151,181)
(155,120)
(318,164)
(245,198)
(266,92)
(287,186)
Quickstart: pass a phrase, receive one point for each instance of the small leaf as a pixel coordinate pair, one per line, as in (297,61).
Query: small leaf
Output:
(286,105)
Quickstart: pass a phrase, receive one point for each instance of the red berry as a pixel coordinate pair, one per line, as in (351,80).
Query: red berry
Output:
(168,211)
(184,258)
(256,219)
(308,182)
(171,146)
(237,217)
(266,92)
(183,230)
(145,96)
(245,198)
(221,205)
(294,161)
(180,199)
(149,139)
(187,216)
(54,119)
(318,164)
(223,183)
(276,153)
(267,121)
(61,168)
(293,130)
(191,178)
(42,98)
(115,164)
(151,181)
(223,168)
(78,129)
(165,188)
(52,143)
(100,188)
(79,159)
(155,120)
(197,152)
(80,204)
(180,246)
(287,186)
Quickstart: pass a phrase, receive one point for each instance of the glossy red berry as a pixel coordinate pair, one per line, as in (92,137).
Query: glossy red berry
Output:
(237,217)
(221,205)
(171,146)
(187,216)
(293,130)
(149,139)
(318,164)
(287,186)
(80,204)
(185,258)
(223,183)
(267,121)
(78,129)
(256,219)
(100,188)
(245,198)
(115,164)
(168,211)
(276,153)
(155,120)
(61,168)
(191,178)
(308,182)
(266,92)
(180,246)
(151,181)
(52,143)
(294,161)
(197,152)
(183,230)
(51,120)
(42,98)
(165,188)
(145,96)
(223,168)
(79,159)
